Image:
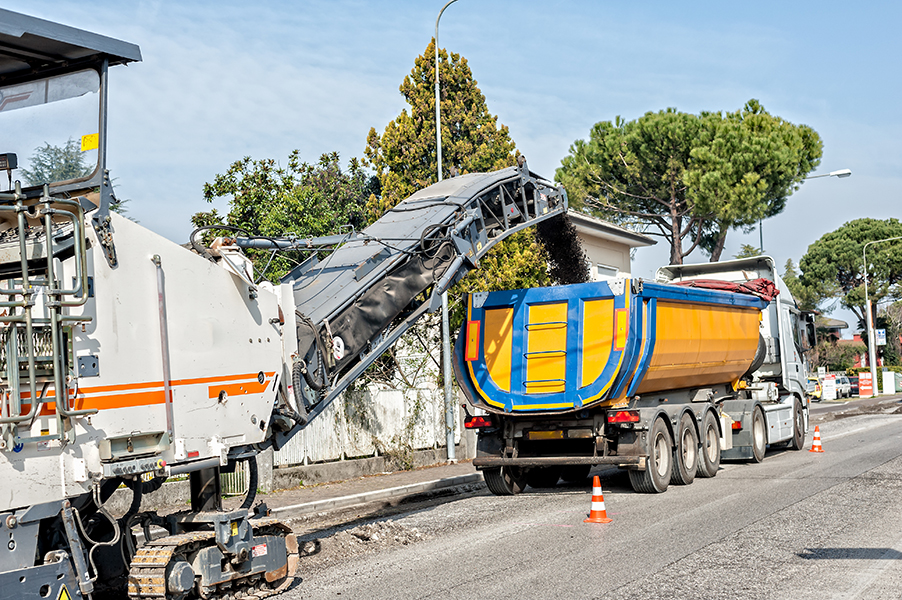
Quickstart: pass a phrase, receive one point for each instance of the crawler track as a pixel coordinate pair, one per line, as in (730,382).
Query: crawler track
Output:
(148,573)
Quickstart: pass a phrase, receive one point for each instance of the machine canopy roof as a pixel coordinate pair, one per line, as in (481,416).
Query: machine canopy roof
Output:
(30,47)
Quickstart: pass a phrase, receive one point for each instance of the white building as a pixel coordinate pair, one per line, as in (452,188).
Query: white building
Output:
(607,246)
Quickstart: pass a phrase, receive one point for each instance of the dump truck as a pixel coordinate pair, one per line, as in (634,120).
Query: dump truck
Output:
(126,358)
(664,378)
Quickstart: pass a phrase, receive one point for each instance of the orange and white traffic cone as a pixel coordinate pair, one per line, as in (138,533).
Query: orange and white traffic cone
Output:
(598,513)
(816,442)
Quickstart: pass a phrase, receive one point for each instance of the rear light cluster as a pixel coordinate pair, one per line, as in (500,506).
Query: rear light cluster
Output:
(477,422)
(623,416)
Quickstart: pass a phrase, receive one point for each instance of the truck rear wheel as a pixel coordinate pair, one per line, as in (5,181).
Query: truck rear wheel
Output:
(709,457)
(759,435)
(543,477)
(656,476)
(685,455)
(504,481)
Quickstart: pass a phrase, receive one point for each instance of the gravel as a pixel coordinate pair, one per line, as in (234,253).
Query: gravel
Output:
(357,541)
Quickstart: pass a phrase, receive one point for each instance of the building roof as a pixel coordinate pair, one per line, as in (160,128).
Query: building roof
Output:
(826,323)
(598,228)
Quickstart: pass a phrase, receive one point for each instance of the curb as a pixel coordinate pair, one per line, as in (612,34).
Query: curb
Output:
(375,495)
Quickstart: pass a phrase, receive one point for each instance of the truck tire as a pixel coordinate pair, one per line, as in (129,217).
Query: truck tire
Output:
(759,435)
(709,457)
(685,454)
(575,473)
(504,481)
(656,476)
(543,477)
(798,426)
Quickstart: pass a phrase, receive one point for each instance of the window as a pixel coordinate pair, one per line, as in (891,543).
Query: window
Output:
(605,271)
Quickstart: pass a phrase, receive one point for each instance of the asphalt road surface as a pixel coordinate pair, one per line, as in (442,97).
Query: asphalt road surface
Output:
(798,525)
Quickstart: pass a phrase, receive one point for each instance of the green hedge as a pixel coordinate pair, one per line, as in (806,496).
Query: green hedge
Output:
(854,371)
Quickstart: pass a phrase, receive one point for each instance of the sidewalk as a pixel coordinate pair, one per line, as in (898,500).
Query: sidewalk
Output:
(388,488)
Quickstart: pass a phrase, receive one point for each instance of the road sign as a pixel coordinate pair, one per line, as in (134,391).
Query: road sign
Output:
(828,388)
(865,385)
(881,337)
(821,372)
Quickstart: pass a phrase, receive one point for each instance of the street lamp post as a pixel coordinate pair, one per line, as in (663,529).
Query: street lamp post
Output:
(838,174)
(446,326)
(872,343)
(438,113)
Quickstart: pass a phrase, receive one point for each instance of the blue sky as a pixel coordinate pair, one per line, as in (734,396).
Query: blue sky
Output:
(221,80)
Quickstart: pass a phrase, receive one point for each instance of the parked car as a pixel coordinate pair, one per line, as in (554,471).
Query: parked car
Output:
(853,382)
(813,389)
(843,387)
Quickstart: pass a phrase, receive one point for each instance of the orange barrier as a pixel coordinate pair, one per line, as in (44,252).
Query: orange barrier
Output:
(598,513)
(816,442)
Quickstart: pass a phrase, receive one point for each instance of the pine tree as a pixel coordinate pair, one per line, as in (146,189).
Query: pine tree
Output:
(404,159)
(404,156)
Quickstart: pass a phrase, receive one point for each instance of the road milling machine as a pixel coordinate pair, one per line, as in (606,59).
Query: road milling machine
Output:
(126,358)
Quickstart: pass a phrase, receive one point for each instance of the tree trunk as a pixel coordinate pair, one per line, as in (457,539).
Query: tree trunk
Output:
(676,241)
(718,247)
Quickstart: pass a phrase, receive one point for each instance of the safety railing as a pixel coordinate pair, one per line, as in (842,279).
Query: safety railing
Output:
(33,312)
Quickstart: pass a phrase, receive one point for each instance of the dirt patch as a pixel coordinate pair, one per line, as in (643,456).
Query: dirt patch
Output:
(886,407)
(363,539)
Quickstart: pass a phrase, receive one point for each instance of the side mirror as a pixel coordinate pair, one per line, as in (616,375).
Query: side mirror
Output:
(810,332)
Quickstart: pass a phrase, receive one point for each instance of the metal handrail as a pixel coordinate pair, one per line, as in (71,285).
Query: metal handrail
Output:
(78,235)
(62,390)
(57,299)
(534,381)
(537,325)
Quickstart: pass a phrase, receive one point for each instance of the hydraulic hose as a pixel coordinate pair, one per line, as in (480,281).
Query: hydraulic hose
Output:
(298,370)
(137,488)
(252,484)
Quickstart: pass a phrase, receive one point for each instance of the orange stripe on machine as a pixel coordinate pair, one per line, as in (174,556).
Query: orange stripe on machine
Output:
(128,395)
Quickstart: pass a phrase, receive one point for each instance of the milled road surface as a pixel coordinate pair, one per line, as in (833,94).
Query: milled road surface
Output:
(799,525)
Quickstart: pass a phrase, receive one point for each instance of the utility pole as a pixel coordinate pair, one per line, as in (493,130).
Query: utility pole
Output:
(446,326)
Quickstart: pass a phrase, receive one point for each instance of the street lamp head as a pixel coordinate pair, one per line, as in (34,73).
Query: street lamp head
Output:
(841,173)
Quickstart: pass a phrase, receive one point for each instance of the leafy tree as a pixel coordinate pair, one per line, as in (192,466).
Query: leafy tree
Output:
(302,199)
(745,169)
(692,178)
(404,159)
(837,357)
(890,319)
(60,163)
(56,163)
(892,322)
(834,263)
(747,251)
(809,298)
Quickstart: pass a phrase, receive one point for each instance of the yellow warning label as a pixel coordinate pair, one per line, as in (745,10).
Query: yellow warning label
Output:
(90,142)
(64,594)
(234,528)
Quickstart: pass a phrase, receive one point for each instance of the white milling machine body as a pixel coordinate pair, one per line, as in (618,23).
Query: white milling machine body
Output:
(126,358)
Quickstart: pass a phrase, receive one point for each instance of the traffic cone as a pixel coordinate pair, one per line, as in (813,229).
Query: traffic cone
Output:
(598,513)
(816,442)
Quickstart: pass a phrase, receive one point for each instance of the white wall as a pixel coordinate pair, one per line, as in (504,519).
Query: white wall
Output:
(606,252)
